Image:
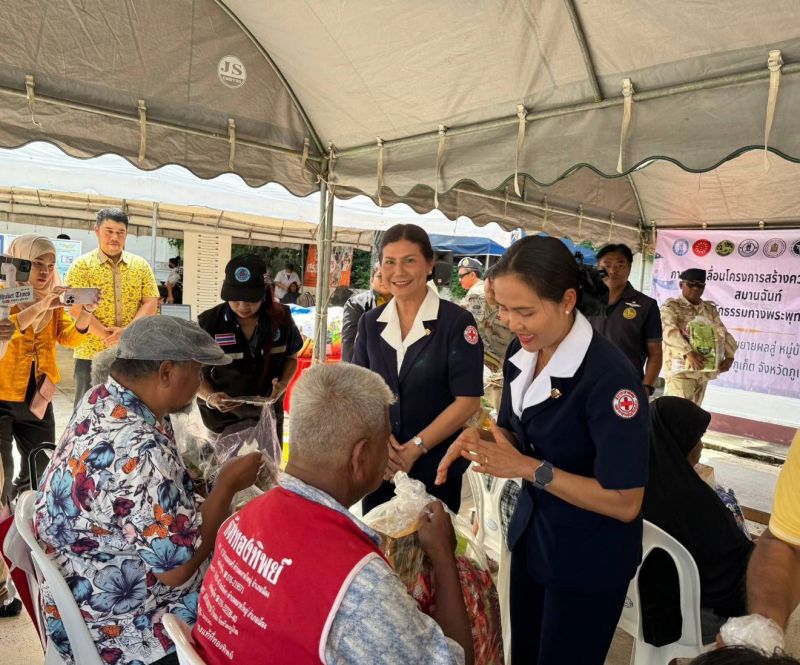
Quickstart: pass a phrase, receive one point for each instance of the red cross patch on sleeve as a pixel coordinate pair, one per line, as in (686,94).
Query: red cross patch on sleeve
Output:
(471,334)
(625,403)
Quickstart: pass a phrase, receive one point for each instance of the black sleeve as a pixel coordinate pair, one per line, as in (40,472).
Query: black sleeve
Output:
(350,318)
(360,355)
(294,340)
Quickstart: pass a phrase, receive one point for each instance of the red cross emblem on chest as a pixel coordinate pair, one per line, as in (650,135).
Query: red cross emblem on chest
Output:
(471,334)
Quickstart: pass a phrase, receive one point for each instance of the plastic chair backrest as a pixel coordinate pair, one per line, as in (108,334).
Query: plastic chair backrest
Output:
(690,643)
(80,639)
(181,635)
(43,452)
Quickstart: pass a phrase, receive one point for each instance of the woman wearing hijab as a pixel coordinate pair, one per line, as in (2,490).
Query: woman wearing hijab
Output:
(29,367)
(681,503)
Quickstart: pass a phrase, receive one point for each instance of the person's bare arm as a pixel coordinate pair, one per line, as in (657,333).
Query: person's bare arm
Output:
(95,327)
(149,307)
(773,579)
(438,541)
(652,368)
(238,474)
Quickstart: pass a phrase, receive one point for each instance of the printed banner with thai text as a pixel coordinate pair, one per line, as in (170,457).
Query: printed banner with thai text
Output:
(754,279)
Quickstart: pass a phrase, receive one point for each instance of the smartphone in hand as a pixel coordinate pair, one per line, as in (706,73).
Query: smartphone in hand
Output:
(80,296)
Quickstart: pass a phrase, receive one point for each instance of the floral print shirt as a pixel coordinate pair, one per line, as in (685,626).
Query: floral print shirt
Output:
(115,507)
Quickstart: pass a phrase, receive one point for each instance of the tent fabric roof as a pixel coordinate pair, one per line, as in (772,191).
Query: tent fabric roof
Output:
(343,73)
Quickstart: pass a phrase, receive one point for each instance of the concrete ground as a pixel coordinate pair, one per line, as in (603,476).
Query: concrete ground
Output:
(749,467)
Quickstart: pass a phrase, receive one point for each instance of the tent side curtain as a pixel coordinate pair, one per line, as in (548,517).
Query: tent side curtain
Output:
(466,246)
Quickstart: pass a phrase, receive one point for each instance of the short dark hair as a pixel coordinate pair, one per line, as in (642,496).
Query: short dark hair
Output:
(411,233)
(616,249)
(114,214)
(739,655)
(134,369)
(62,236)
(176,260)
(543,263)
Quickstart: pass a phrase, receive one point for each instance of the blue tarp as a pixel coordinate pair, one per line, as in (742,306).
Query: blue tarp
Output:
(466,245)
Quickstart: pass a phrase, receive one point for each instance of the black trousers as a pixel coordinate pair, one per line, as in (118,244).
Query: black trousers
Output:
(18,424)
(83,379)
(554,626)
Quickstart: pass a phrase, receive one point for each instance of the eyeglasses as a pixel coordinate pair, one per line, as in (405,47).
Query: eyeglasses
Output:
(462,275)
(694,285)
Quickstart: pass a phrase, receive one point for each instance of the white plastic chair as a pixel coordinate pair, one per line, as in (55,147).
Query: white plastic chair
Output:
(690,643)
(181,635)
(490,536)
(25,552)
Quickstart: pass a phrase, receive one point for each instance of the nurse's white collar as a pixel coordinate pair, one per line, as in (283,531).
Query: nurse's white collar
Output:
(428,311)
(527,391)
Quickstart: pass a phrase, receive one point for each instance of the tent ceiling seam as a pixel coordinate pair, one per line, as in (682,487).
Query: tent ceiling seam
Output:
(584,46)
(295,101)
(642,96)
(119,115)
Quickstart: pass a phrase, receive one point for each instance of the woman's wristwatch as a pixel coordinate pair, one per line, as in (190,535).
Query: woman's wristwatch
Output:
(543,475)
(417,441)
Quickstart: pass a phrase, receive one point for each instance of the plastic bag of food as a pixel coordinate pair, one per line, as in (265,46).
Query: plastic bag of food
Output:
(397,521)
(204,453)
(753,630)
(704,339)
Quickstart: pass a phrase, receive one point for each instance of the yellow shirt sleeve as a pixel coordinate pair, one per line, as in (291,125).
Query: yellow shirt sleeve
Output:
(785,520)
(78,275)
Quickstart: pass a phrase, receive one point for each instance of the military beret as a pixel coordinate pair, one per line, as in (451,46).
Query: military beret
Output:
(694,275)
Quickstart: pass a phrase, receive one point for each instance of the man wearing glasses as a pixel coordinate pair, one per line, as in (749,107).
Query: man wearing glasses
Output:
(479,301)
(687,366)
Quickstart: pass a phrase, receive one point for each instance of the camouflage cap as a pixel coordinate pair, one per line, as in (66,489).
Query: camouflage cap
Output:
(169,338)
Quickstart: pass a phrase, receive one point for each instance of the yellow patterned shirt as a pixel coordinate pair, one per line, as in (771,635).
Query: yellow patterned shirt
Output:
(122,286)
(785,520)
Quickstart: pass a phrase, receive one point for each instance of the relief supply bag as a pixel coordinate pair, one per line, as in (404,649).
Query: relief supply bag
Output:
(398,521)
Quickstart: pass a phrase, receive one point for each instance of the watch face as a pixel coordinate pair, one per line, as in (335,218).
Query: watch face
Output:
(543,475)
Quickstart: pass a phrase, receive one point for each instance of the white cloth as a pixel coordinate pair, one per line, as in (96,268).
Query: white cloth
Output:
(428,311)
(527,391)
(282,282)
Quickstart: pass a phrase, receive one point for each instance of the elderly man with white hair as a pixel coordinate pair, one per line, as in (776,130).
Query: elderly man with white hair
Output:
(296,578)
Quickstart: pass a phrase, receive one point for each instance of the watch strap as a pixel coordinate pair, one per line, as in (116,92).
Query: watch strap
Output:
(543,475)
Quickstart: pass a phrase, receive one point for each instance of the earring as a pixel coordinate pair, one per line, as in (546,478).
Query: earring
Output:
(566,312)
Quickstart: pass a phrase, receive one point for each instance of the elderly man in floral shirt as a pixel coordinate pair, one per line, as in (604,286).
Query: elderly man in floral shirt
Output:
(116,509)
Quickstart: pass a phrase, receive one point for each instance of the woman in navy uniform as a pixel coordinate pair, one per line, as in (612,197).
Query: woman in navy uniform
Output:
(573,425)
(263,340)
(430,353)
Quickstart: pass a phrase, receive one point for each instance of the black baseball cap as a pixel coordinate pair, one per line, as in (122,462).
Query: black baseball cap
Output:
(244,279)
(694,275)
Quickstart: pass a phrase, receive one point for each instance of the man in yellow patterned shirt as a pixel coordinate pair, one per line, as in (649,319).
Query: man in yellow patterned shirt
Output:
(128,291)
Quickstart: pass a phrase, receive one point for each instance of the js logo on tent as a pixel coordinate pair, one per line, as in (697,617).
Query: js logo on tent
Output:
(231,71)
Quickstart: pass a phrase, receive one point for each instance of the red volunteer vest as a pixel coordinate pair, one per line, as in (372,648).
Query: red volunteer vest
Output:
(280,569)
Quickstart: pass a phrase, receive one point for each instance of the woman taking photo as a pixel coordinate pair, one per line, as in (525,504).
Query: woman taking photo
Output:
(261,337)
(573,425)
(429,352)
(690,510)
(28,370)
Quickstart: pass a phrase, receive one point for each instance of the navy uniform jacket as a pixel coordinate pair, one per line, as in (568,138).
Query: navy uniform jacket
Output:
(445,363)
(249,373)
(578,428)
(631,323)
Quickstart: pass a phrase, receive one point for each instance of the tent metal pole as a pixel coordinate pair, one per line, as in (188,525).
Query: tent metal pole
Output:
(587,56)
(513,121)
(154,236)
(319,297)
(536,206)
(97,110)
(324,282)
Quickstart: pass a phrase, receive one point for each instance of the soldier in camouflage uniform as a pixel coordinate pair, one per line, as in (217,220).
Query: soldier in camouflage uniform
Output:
(496,337)
(681,361)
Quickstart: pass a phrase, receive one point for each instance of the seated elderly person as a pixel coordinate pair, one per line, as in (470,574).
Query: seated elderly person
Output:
(116,508)
(296,578)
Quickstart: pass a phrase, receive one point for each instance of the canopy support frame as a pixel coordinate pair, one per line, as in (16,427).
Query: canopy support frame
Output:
(324,239)
(584,46)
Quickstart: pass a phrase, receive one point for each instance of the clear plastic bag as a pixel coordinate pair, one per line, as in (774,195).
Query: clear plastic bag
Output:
(204,453)
(398,521)
(753,630)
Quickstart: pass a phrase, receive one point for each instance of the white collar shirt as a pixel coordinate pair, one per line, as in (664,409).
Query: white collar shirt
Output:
(428,311)
(527,391)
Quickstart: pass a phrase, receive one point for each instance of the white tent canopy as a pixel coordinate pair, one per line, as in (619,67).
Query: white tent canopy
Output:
(42,185)
(300,93)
